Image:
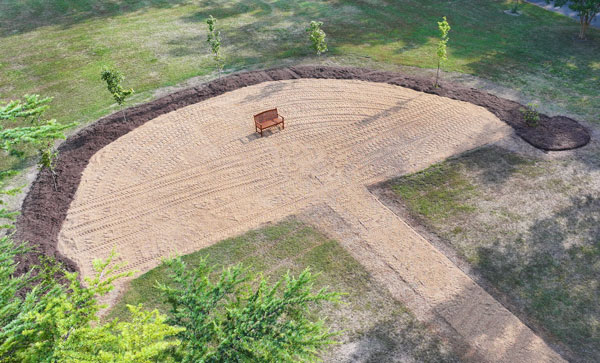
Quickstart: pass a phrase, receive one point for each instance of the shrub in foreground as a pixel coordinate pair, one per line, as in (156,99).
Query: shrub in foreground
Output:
(231,317)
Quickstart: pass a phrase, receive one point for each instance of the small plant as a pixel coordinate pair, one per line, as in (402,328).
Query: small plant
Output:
(113,79)
(514,9)
(442,51)
(531,114)
(317,37)
(214,40)
(48,158)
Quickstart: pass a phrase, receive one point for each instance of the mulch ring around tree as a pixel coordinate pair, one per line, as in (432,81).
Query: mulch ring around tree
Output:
(45,209)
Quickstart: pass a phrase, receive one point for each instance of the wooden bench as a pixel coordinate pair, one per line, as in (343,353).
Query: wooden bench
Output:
(267,119)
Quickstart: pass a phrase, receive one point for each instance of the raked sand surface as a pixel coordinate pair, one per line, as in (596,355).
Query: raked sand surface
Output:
(193,177)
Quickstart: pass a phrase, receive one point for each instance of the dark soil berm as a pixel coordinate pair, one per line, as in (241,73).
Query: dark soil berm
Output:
(45,209)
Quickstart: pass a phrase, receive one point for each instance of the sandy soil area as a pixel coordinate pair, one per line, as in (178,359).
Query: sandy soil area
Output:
(193,177)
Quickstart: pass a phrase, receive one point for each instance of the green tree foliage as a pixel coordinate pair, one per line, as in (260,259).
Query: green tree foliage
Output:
(145,339)
(530,114)
(38,133)
(47,160)
(317,37)
(7,216)
(587,10)
(233,318)
(442,50)
(515,6)
(32,108)
(32,130)
(43,321)
(49,313)
(113,79)
(214,318)
(214,41)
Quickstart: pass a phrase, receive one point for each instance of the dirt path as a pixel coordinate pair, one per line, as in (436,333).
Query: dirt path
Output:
(193,177)
(417,274)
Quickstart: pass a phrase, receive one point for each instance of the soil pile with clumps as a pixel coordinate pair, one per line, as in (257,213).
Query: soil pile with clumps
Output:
(45,209)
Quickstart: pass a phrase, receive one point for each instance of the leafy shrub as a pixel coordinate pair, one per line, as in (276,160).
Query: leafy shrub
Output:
(531,114)
(214,41)
(442,49)
(113,79)
(317,37)
(233,318)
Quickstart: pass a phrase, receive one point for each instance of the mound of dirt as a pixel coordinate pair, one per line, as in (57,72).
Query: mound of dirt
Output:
(44,209)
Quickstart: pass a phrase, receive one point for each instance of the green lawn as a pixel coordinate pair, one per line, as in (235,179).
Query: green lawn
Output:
(57,47)
(379,327)
(529,226)
(545,259)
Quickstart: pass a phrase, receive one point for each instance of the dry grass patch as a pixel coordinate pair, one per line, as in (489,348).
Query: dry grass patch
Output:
(531,228)
(374,326)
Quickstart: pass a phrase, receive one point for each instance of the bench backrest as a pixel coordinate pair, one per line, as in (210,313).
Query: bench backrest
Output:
(266,115)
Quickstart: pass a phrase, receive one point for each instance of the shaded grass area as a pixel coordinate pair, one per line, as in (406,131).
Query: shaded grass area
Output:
(530,227)
(27,15)
(57,47)
(374,325)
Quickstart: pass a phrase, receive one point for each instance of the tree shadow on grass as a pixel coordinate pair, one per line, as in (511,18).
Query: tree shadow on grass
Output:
(552,273)
(184,45)
(538,56)
(27,15)
(495,166)
(370,25)
(402,339)
(229,9)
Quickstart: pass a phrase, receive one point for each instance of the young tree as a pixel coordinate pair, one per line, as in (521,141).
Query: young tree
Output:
(515,7)
(317,37)
(234,319)
(113,79)
(214,41)
(587,10)
(47,160)
(32,131)
(442,51)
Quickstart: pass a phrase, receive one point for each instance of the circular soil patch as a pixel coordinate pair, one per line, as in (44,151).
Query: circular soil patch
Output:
(201,174)
(45,210)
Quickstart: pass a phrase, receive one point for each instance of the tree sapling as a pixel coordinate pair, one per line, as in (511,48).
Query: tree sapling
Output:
(442,50)
(113,79)
(214,41)
(317,37)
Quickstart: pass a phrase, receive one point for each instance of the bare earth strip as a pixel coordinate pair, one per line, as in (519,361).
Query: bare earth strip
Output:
(193,177)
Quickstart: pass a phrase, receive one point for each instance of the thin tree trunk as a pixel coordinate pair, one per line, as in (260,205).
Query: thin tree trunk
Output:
(584,25)
(585,21)
(54,180)
(437,76)
(123,112)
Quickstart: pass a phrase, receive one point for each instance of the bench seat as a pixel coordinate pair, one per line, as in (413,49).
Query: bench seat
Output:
(266,119)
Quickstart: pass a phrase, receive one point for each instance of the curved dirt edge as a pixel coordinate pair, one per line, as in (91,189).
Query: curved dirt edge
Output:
(44,209)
